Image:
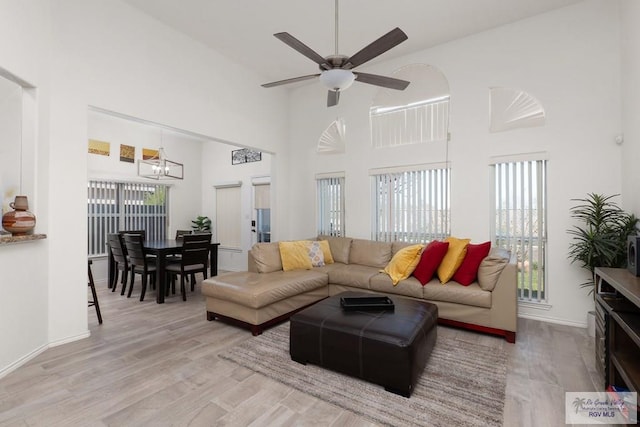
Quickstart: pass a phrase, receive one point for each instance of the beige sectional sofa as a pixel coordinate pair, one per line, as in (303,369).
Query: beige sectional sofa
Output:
(265,294)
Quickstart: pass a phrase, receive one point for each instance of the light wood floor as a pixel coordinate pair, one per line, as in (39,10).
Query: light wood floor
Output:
(157,365)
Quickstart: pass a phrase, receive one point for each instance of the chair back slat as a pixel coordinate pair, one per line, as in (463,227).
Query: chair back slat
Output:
(117,248)
(181,233)
(195,249)
(143,233)
(135,249)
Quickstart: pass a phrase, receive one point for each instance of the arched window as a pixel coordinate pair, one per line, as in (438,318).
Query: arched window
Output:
(418,114)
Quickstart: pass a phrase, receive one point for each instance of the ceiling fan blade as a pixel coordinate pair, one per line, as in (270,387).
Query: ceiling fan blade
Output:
(296,44)
(374,79)
(333,97)
(292,80)
(377,47)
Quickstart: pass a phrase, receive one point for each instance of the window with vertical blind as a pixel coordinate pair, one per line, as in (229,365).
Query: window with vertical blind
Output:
(114,206)
(228,215)
(519,208)
(330,199)
(411,204)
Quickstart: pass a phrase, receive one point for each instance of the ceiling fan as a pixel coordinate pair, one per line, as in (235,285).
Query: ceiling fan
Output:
(336,70)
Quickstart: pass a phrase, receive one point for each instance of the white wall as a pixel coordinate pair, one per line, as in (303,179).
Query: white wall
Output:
(630,20)
(24,30)
(568,59)
(10,141)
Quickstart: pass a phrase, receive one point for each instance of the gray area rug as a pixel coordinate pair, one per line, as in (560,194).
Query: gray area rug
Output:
(463,383)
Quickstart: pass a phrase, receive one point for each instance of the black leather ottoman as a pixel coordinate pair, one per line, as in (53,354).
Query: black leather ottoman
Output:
(390,348)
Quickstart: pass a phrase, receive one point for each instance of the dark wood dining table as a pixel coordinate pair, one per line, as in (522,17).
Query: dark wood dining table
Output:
(162,248)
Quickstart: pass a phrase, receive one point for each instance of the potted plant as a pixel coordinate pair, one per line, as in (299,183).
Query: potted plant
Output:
(201,223)
(600,240)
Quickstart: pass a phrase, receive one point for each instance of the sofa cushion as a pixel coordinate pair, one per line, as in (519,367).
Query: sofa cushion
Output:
(316,254)
(258,290)
(454,292)
(340,247)
(491,267)
(403,263)
(369,252)
(295,255)
(267,257)
(468,270)
(453,258)
(396,246)
(353,275)
(430,260)
(326,251)
(409,287)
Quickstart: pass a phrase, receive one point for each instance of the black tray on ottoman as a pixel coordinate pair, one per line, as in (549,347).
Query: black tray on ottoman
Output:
(390,348)
(366,303)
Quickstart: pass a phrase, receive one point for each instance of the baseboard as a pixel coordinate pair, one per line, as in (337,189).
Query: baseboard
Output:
(33,354)
(24,359)
(67,340)
(554,320)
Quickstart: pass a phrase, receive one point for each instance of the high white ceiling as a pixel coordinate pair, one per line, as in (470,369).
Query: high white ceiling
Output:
(243,30)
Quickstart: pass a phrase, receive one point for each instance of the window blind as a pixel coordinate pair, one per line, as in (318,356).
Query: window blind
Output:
(411,206)
(330,212)
(520,222)
(228,216)
(114,206)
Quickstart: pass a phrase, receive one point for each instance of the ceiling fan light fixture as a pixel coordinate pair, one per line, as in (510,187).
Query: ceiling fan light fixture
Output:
(337,79)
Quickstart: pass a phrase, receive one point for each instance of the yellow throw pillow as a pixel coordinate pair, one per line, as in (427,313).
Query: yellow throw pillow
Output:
(453,259)
(326,251)
(403,263)
(295,255)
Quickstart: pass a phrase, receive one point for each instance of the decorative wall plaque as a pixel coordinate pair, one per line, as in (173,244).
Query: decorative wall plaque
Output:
(245,155)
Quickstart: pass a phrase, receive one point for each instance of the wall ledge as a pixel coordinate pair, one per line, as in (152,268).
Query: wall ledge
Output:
(9,240)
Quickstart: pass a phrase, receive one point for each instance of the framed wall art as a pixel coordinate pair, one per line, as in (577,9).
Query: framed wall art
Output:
(245,155)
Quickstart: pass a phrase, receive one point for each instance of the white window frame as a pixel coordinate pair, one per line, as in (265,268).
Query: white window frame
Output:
(330,199)
(120,205)
(519,208)
(411,204)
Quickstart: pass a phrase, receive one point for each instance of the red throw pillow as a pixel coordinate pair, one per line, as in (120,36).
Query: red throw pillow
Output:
(430,260)
(468,270)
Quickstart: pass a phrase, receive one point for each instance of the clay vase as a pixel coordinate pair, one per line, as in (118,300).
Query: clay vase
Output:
(20,221)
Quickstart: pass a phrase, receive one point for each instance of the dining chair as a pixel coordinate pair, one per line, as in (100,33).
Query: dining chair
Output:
(195,259)
(119,253)
(180,233)
(139,262)
(94,302)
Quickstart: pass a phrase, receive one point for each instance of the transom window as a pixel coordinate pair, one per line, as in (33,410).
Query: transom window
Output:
(418,114)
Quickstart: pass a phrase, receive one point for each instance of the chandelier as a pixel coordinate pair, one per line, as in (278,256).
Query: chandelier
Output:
(159,167)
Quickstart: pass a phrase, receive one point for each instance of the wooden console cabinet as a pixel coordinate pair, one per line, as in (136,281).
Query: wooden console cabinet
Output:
(618,327)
